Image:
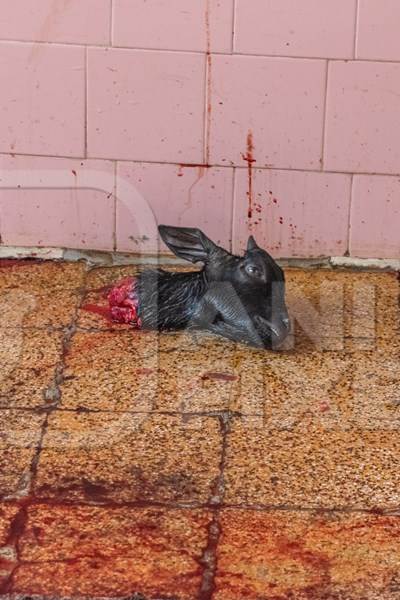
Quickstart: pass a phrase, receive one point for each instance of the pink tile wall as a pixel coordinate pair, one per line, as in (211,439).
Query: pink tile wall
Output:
(280,101)
(145,105)
(202,108)
(70,21)
(378,30)
(42,99)
(178,195)
(76,217)
(284,216)
(312,28)
(375,216)
(197,25)
(362,122)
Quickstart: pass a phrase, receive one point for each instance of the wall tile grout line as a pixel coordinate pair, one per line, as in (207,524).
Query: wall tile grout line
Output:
(196,166)
(233,26)
(16,530)
(209,557)
(325,117)
(206,124)
(86,104)
(111,22)
(219,53)
(207,84)
(211,414)
(233,205)
(115,241)
(350,216)
(140,504)
(20,520)
(356,22)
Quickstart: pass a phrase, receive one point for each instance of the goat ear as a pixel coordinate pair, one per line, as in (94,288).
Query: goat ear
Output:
(252,244)
(187,243)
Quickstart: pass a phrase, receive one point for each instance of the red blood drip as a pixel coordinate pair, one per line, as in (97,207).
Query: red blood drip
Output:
(219,376)
(249,158)
(103,311)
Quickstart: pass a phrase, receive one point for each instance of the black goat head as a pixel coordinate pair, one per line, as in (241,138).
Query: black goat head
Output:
(254,281)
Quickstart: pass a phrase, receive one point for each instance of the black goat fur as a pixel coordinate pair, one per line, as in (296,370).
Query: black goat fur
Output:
(241,298)
(168,300)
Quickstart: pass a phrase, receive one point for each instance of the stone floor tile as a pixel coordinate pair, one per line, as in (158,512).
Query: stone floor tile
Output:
(20,433)
(20,308)
(111,371)
(41,276)
(270,555)
(39,294)
(143,371)
(7,513)
(8,556)
(199,374)
(99,278)
(28,359)
(91,551)
(334,390)
(339,304)
(314,426)
(123,457)
(305,465)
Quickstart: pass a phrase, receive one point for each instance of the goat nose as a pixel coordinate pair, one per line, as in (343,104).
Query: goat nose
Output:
(281,328)
(278,327)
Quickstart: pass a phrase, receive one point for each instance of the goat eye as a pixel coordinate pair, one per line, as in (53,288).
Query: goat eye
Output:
(252,270)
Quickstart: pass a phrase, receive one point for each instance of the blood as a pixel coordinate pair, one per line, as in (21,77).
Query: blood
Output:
(124,302)
(219,376)
(94,491)
(17,526)
(104,290)
(249,158)
(103,311)
(8,263)
(144,371)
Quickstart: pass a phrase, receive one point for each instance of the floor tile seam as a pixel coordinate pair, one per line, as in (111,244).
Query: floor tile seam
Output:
(209,558)
(213,508)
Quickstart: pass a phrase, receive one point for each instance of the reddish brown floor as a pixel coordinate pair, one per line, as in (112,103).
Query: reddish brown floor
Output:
(187,467)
